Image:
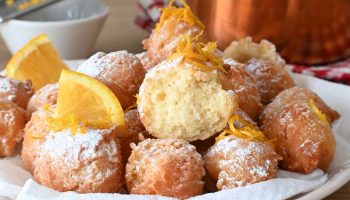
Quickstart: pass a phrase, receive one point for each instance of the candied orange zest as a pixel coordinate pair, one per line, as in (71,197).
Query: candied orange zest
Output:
(317,111)
(71,122)
(198,54)
(58,123)
(181,14)
(47,107)
(247,132)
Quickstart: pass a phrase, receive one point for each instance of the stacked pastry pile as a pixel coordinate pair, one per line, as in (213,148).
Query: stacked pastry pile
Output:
(198,120)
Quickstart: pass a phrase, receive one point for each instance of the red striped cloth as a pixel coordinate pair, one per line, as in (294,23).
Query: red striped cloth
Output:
(337,72)
(150,13)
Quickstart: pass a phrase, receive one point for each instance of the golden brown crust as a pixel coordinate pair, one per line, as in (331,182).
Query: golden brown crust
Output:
(271,79)
(45,95)
(162,42)
(136,133)
(124,77)
(245,87)
(84,163)
(301,95)
(120,71)
(202,146)
(235,162)
(303,140)
(146,61)
(35,133)
(12,122)
(16,91)
(168,167)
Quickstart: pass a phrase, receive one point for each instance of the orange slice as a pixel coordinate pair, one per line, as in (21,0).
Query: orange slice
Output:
(37,61)
(90,101)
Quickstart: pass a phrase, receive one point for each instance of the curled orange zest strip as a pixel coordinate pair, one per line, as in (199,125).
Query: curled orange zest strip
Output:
(247,132)
(318,112)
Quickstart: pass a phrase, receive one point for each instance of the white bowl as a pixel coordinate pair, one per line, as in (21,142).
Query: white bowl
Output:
(72,25)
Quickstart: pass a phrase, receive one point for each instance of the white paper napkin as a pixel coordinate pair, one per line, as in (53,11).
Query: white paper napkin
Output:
(34,191)
(286,185)
(13,177)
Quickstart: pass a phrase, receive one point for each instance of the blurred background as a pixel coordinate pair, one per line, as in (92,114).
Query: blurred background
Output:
(119,31)
(312,35)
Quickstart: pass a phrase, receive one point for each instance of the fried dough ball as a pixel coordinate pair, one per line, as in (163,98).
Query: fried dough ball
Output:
(16,91)
(35,133)
(12,122)
(202,146)
(162,43)
(271,79)
(89,162)
(120,71)
(177,100)
(264,63)
(245,87)
(303,138)
(245,49)
(235,162)
(163,39)
(136,133)
(146,61)
(45,95)
(168,167)
(302,95)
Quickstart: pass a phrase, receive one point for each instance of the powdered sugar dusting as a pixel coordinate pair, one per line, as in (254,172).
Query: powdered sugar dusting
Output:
(149,168)
(79,147)
(107,62)
(271,79)
(240,162)
(309,148)
(91,66)
(81,162)
(6,85)
(230,61)
(245,86)
(51,87)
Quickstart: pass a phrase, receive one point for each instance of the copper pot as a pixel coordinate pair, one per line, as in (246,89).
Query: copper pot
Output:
(304,31)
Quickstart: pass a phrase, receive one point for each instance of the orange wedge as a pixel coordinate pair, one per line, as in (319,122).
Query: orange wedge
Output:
(93,103)
(37,61)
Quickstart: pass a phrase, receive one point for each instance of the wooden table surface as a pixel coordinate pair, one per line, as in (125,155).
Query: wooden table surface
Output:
(119,5)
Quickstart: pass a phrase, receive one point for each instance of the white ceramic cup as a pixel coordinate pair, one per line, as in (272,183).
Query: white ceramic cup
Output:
(72,25)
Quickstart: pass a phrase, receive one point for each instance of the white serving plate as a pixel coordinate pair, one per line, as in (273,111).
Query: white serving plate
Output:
(339,177)
(338,97)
